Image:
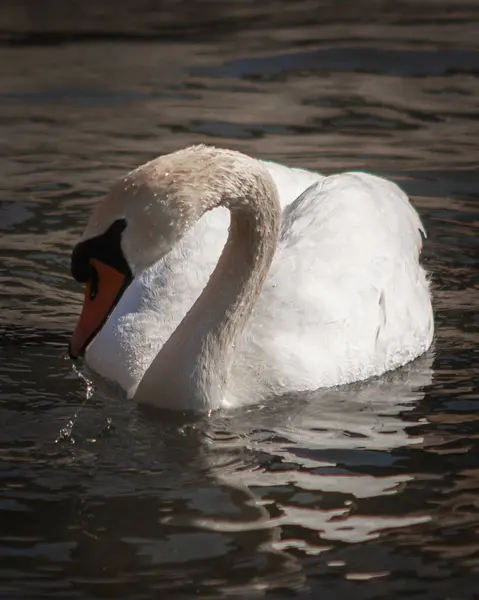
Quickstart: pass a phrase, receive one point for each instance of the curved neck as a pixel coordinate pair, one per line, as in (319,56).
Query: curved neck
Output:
(192,368)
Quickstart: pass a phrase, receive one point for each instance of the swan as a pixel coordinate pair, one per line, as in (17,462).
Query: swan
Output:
(213,280)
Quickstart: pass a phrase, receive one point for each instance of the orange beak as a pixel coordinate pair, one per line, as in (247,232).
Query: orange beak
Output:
(97,309)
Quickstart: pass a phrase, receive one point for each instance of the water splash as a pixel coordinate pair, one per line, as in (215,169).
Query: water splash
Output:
(66,433)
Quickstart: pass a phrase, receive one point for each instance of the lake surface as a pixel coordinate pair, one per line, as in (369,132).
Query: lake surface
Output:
(366,492)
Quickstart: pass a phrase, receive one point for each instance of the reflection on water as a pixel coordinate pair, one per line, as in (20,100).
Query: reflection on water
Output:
(325,450)
(171,494)
(367,490)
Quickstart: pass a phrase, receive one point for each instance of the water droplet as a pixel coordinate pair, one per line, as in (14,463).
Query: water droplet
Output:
(66,432)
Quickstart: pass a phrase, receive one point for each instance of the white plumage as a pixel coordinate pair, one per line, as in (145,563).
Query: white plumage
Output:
(345,297)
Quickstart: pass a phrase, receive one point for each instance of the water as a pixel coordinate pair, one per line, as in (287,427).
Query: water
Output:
(366,492)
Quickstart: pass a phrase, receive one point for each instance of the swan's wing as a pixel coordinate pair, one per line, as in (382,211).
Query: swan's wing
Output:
(346,297)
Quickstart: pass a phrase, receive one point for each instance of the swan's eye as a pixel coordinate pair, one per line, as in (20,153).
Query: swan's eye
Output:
(93,283)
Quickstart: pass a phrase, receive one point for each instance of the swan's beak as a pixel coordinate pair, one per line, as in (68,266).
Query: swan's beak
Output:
(101,297)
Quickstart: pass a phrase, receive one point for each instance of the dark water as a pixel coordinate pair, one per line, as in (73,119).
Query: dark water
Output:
(368,492)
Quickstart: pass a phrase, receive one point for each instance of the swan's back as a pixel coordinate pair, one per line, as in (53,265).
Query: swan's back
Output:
(346,298)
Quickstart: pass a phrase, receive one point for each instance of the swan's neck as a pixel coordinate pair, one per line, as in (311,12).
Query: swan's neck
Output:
(191,370)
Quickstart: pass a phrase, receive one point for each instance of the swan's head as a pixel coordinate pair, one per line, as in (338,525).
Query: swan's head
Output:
(140,219)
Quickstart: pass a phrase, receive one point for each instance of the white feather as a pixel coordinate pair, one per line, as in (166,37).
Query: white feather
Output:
(345,298)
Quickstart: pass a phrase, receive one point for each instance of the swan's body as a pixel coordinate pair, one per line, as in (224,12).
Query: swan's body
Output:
(344,298)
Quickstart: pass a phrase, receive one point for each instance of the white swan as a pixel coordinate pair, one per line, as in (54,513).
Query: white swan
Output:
(318,284)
